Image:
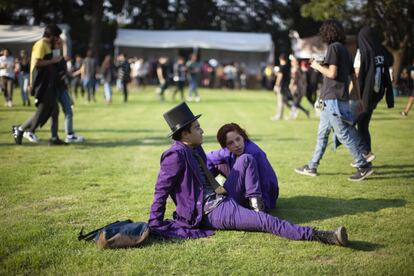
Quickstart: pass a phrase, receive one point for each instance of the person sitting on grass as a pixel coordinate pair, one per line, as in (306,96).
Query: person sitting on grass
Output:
(235,143)
(201,205)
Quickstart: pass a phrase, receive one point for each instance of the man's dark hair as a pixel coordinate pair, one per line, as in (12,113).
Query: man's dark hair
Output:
(332,31)
(178,135)
(222,132)
(52,30)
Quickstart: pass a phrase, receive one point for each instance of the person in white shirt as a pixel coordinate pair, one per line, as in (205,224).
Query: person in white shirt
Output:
(7,66)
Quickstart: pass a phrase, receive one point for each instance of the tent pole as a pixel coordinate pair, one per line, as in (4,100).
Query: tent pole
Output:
(116,52)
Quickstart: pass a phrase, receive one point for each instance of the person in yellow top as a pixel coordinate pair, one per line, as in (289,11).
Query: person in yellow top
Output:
(43,79)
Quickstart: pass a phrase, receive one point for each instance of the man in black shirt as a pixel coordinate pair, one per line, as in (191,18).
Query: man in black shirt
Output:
(164,73)
(337,69)
(281,88)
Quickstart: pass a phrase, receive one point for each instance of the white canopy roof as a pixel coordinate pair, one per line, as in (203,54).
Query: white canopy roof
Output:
(231,41)
(305,48)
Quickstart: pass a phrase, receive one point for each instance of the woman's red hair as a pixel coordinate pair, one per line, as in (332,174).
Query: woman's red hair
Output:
(222,132)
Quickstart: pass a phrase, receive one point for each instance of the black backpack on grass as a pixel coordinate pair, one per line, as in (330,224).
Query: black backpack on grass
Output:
(119,234)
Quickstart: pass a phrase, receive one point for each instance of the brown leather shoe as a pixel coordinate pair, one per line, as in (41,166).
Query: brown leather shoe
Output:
(338,237)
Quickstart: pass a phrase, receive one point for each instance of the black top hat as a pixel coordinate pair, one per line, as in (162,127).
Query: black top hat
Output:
(179,116)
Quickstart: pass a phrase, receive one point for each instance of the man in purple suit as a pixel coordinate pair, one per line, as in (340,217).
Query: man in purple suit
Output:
(202,204)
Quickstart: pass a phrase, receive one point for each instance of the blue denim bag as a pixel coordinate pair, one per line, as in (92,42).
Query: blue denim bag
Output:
(119,234)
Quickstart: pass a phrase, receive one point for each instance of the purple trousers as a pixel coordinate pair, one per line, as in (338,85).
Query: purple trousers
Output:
(231,216)
(242,182)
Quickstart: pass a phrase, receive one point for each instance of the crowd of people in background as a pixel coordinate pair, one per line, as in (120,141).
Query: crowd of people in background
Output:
(85,74)
(291,79)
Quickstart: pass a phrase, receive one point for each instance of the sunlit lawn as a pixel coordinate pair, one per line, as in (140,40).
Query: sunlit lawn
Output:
(48,193)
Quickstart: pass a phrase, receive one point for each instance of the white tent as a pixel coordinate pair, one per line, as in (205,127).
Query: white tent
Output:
(22,37)
(249,48)
(305,48)
(313,47)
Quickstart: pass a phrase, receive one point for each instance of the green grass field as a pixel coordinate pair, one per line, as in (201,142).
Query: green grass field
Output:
(48,193)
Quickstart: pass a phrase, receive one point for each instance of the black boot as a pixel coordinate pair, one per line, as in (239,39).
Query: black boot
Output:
(256,204)
(338,237)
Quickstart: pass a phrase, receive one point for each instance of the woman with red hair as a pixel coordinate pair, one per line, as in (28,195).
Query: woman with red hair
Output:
(235,142)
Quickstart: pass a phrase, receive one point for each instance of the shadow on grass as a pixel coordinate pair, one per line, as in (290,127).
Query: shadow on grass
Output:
(405,171)
(394,171)
(302,209)
(364,246)
(388,166)
(155,239)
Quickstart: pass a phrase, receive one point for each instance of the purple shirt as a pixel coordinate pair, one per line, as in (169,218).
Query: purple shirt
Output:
(267,176)
(180,179)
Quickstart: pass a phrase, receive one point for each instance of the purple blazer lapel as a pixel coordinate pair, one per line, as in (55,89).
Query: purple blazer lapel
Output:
(190,159)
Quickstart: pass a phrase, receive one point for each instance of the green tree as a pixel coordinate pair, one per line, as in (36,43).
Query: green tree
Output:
(90,22)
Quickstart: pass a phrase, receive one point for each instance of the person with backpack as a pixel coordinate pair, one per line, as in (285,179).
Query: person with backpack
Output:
(372,68)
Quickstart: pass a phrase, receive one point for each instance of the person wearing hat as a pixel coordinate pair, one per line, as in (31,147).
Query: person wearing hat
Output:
(201,205)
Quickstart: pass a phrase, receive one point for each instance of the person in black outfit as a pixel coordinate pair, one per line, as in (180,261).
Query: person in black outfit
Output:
(44,79)
(298,84)
(374,82)
(76,76)
(281,87)
(180,72)
(314,83)
(124,71)
(24,72)
(164,73)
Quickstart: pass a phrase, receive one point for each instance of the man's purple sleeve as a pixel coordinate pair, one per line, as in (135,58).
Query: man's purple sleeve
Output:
(171,167)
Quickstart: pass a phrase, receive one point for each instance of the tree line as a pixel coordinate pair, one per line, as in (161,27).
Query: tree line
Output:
(94,22)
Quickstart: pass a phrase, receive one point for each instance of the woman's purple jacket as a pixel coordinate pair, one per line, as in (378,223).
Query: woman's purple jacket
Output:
(268,178)
(179,178)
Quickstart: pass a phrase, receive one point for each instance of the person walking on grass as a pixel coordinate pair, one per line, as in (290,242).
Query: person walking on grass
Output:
(43,80)
(7,66)
(88,72)
(281,88)
(298,86)
(124,71)
(336,69)
(201,204)
(107,71)
(64,100)
(193,69)
(24,72)
(372,70)
(411,90)
(164,75)
(180,72)
(235,142)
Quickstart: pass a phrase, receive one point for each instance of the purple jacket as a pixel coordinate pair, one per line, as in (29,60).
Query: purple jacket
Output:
(268,178)
(179,178)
